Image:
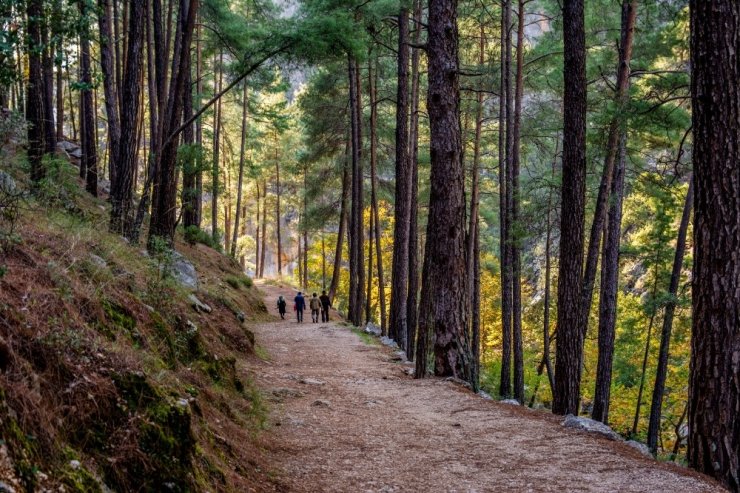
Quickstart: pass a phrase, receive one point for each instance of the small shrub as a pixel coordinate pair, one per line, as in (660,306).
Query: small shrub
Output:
(59,188)
(195,235)
(238,282)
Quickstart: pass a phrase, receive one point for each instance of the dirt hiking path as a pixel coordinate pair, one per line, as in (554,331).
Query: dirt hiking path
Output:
(346,417)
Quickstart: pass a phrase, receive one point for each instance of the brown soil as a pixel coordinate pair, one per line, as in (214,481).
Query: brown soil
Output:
(346,417)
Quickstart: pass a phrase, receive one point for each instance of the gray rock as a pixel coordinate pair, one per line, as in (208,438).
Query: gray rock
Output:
(321,403)
(373,329)
(311,381)
(74,464)
(241,317)
(7,183)
(198,305)
(67,146)
(485,395)
(640,447)
(511,402)
(99,261)
(6,488)
(591,426)
(184,271)
(283,392)
(387,341)
(75,153)
(104,186)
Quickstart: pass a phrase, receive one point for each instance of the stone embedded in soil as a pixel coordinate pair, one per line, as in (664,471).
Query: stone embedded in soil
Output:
(198,305)
(640,447)
(183,271)
(591,426)
(321,403)
(311,381)
(511,402)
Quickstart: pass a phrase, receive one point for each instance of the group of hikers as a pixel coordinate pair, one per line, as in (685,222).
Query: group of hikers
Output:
(319,306)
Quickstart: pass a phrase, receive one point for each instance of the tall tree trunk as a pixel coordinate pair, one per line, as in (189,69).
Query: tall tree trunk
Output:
(277,215)
(216,150)
(356,247)
(154,142)
(35,90)
(665,334)
(516,261)
(369,296)
(442,310)
(504,139)
(242,156)
(413,286)
(616,153)
(397,328)
(714,386)
(257,236)
(372,78)
(570,337)
(122,184)
(305,229)
(199,130)
(473,240)
(190,166)
(616,129)
(109,87)
(323,262)
(164,203)
(264,229)
(87,111)
(342,226)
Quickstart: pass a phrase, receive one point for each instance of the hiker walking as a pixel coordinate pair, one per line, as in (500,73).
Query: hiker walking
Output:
(325,305)
(281,303)
(299,306)
(315,308)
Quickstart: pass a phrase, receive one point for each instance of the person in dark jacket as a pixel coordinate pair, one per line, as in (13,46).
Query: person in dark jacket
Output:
(300,305)
(325,305)
(281,304)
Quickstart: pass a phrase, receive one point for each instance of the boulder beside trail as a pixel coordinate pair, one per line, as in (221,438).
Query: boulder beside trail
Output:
(373,329)
(591,426)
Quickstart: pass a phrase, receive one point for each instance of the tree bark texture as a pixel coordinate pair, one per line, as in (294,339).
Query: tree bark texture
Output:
(714,387)
(126,155)
(35,90)
(442,309)
(356,247)
(397,327)
(503,156)
(573,198)
(110,88)
(413,286)
(87,113)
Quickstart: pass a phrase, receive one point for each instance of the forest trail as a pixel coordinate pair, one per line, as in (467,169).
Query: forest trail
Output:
(344,416)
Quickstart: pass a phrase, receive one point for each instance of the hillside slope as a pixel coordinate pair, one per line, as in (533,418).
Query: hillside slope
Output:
(111,378)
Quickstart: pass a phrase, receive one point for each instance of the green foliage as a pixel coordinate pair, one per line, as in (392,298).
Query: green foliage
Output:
(195,235)
(59,189)
(238,282)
